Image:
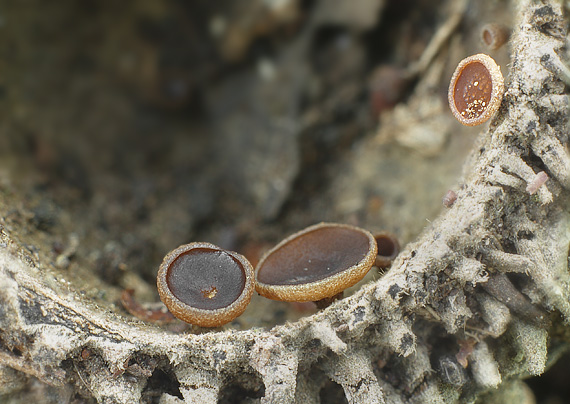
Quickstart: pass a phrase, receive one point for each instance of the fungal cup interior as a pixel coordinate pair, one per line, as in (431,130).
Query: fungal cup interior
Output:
(313,256)
(473,90)
(205,278)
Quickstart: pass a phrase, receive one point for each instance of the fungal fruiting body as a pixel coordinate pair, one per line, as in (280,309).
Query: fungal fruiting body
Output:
(205,285)
(476,90)
(388,249)
(316,263)
(494,35)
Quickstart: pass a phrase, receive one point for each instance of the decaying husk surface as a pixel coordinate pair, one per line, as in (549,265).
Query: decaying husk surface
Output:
(480,300)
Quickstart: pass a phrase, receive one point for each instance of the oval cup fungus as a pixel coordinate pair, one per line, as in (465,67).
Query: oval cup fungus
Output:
(476,90)
(388,249)
(494,35)
(205,285)
(316,263)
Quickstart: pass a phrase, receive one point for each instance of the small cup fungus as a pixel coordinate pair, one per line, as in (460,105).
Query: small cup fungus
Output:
(494,35)
(205,285)
(476,90)
(316,263)
(388,249)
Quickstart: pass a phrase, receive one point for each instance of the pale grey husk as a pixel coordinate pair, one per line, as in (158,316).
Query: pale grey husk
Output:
(397,340)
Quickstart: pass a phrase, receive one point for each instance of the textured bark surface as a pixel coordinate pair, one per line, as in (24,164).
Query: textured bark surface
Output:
(480,300)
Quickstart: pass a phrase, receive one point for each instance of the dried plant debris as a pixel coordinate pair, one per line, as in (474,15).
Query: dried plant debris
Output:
(469,307)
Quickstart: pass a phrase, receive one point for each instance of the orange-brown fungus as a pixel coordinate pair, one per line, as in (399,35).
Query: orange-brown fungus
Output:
(205,285)
(476,90)
(318,262)
(472,91)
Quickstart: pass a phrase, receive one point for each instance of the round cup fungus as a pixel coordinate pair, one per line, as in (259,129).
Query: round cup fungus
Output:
(494,35)
(388,249)
(476,90)
(205,285)
(316,263)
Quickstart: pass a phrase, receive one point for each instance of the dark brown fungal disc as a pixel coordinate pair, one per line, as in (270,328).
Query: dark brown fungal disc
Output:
(205,285)
(315,263)
(388,249)
(476,90)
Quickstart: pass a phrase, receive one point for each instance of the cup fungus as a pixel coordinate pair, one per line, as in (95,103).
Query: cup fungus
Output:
(388,249)
(494,35)
(205,285)
(316,263)
(476,90)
